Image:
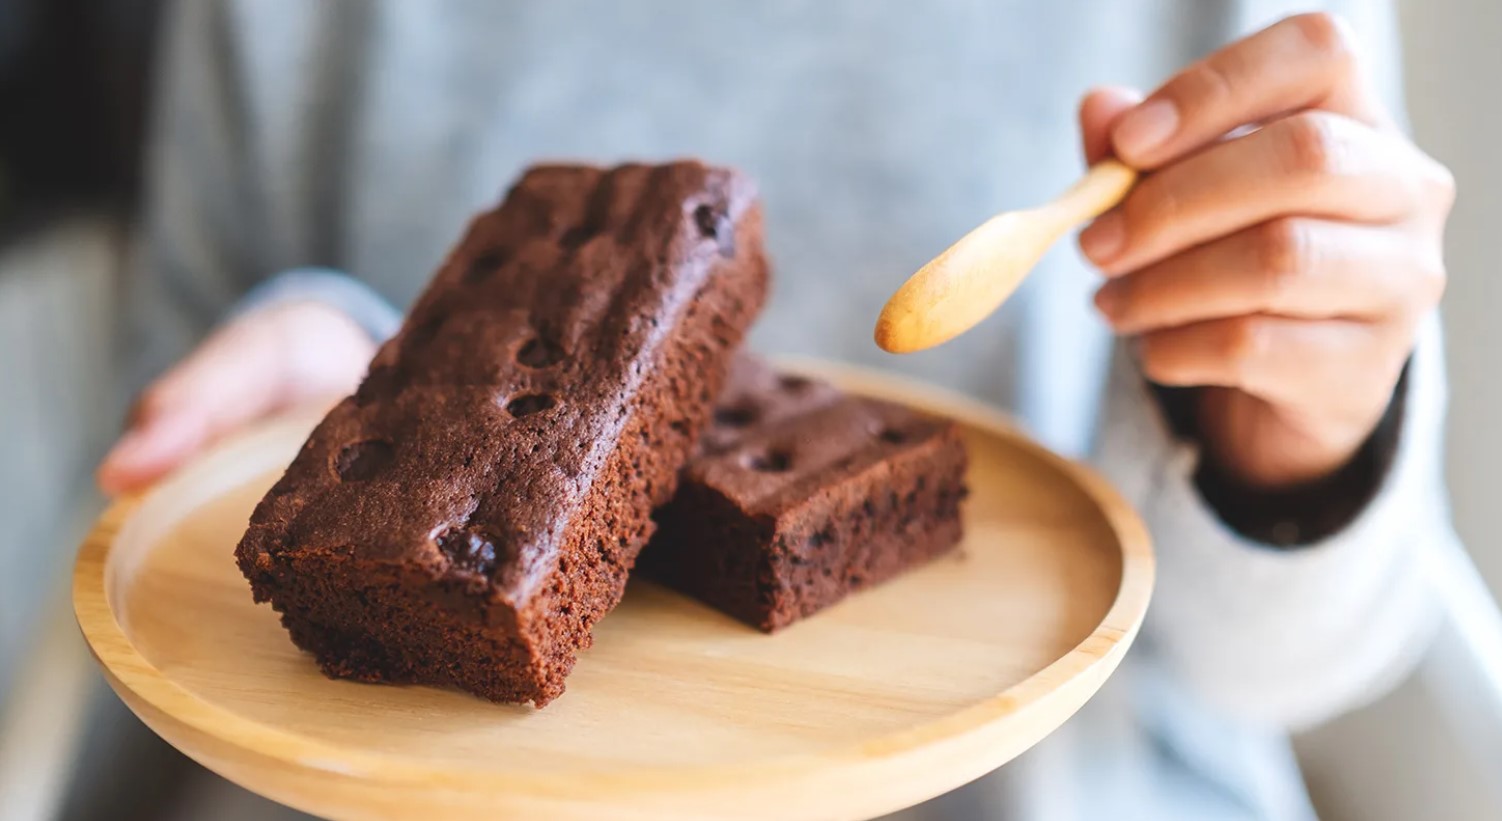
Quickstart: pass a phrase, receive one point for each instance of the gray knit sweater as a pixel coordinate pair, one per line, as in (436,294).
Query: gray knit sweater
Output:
(360,135)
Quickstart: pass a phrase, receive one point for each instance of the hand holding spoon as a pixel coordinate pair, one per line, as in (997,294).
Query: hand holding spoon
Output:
(971,279)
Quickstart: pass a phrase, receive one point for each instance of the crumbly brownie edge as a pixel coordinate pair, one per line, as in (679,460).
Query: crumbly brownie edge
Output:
(868,529)
(435,646)
(907,517)
(643,472)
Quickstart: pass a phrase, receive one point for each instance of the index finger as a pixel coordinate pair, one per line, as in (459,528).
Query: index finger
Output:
(1305,61)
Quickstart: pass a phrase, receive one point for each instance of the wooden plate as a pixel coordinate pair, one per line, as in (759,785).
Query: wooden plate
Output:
(894,696)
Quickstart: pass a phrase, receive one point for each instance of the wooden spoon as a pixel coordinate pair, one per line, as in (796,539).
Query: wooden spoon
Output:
(963,285)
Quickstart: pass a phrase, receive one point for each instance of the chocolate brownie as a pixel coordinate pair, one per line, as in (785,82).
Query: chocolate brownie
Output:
(467,516)
(800,495)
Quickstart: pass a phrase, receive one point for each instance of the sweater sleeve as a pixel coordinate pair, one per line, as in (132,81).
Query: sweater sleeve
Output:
(338,290)
(1279,636)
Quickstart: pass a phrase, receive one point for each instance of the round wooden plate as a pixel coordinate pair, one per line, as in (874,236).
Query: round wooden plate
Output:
(894,696)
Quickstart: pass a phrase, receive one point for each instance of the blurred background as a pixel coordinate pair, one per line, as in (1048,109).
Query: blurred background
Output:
(73,98)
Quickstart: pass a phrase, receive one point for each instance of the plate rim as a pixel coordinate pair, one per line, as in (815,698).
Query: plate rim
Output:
(1098,654)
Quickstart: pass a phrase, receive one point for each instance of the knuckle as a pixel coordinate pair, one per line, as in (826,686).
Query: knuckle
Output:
(165,393)
(1151,207)
(1310,144)
(1439,183)
(1282,256)
(1326,34)
(151,402)
(1433,279)
(1243,345)
(1127,299)
(1207,85)
(1157,361)
(157,396)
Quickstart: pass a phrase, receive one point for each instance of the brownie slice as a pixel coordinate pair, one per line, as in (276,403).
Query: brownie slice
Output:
(800,495)
(467,516)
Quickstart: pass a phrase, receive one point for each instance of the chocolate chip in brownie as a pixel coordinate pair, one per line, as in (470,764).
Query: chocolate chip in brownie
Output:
(523,406)
(714,224)
(736,417)
(775,460)
(539,353)
(360,461)
(470,550)
(483,264)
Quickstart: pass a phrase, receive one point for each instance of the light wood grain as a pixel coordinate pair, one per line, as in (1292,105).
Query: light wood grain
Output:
(974,276)
(887,699)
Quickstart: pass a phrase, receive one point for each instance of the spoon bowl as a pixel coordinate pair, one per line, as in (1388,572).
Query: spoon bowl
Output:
(974,276)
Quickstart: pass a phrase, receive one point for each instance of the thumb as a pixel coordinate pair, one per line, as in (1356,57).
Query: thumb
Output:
(231,379)
(262,362)
(168,424)
(1099,111)
(150,449)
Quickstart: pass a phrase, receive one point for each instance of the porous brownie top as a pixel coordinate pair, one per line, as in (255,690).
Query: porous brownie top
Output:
(483,422)
(756,397)
(778,439)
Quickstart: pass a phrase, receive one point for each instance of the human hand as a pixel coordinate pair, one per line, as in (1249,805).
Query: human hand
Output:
(264,361)
(1280,250)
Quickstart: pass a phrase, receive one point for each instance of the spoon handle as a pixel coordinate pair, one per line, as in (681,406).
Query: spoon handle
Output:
(963,285)
(1104,186)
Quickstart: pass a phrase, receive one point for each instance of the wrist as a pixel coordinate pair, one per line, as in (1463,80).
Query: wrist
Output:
(1289,514)
(1287,452)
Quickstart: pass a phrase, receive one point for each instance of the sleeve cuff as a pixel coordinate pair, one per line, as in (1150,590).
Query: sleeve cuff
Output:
(1297,516)
(334,288)
(1398,472)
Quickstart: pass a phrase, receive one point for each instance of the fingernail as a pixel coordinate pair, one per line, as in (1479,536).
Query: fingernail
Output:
(1103,239)
(1145,127)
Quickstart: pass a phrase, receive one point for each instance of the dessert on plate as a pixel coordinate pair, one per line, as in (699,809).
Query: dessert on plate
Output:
(468,515)
(800,495)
